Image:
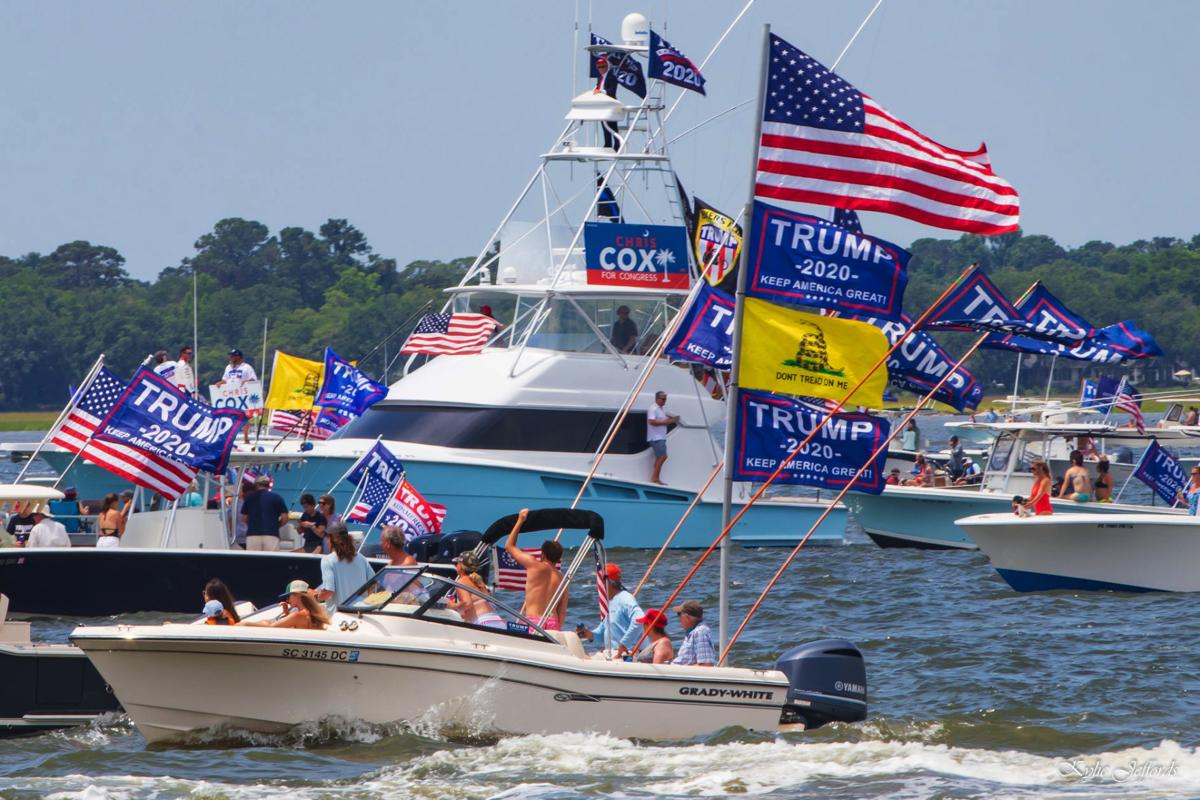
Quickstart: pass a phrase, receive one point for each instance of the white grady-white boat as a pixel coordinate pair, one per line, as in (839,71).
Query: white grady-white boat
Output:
(397,652)
(1117,552)
(925,517)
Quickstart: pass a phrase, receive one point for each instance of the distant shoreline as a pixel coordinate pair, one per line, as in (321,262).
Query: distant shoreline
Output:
(27,420)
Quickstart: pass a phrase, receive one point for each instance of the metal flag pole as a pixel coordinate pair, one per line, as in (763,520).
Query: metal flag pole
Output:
(1050,380)
(1134,471)
(83,387)
(739,312)
(262,364)
(354,466)
(882,448)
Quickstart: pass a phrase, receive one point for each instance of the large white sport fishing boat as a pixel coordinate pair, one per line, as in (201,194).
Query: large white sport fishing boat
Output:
(521,423)
(396,651)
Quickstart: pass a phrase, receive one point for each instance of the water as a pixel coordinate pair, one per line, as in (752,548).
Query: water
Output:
(975,691)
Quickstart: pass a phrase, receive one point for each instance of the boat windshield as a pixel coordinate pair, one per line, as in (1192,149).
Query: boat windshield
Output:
(416,592)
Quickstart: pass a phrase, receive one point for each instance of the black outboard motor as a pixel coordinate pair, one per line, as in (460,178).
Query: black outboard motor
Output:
(456,543)
(828,683)
(424,548)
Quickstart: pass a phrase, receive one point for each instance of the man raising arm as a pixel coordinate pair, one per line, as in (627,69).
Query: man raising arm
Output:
(541,578)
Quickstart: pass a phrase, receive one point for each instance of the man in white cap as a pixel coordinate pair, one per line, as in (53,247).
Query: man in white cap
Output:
(47,531)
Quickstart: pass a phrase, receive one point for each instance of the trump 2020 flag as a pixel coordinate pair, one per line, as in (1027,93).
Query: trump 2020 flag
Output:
(975,304)
(1159,470)
(803,260)
(628,69)
(377,461)
(346,387)
(825,142)
(769,428)
(670,65)
(154,416)
(705,335)
(412,513)
(792,352)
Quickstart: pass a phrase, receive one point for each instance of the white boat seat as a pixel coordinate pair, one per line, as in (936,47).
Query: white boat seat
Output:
(570,640)
(11,632)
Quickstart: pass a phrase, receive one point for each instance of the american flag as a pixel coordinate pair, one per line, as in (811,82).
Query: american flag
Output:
(169,478)
(1129,402)
(825,142)
(601,588)
(372,500)
(450,334)
(510,574)
(293,423)
(848,220)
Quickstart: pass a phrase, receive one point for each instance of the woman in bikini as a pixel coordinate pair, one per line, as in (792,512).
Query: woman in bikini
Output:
(111,522)
(659,649)
(300,610)
(472,607)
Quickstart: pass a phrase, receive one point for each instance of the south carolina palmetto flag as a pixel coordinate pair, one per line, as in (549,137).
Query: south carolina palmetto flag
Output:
(825,142)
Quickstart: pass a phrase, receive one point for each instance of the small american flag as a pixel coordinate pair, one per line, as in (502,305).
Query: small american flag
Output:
(450,334)
(1129,402)
(372,500)
(510,574)
(148,470)
(825,142)
(601,589)
(297,423)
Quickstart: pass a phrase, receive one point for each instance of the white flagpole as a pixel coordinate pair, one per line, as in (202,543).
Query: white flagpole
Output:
(1134,471)
(731,398)
(83,387)
(391,495)
(354,466)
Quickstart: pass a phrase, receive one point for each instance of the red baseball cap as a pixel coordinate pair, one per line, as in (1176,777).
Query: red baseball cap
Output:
(612,571)
(602,61)
(653,617)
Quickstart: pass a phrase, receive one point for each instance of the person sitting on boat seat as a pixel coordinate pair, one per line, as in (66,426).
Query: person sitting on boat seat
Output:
(893,478)
(1077,484)
(47,531)
(1103,483)
(1087,446)
(219,605)
(392,540)
(1039,497)
(972,474)
(922,472)
(541,578)
(623,614)
(299,609)
(658,649)
(473,608)
(697,648)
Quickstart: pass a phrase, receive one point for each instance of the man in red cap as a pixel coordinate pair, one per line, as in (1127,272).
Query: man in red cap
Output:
(623,615)
(607,84)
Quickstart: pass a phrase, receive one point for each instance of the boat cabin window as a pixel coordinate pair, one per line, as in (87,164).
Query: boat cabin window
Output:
(544,429)
(1001,450)
(415,592)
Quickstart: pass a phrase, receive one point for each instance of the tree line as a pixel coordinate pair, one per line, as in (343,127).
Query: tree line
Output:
(330,288)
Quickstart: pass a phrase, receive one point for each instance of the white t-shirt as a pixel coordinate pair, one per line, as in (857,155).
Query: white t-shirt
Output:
(656,433)
(184,377)
(242,373)
(48,533)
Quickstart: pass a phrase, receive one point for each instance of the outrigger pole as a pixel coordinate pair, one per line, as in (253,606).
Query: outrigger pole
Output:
(879,450)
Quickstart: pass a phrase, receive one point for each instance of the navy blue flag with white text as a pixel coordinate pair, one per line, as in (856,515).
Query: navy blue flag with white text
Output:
(975,304)
(629,70)
(770,426)
(705,335)
(799,259)
(1159,470)
(153,415)
(346,387)
(670,65)
(920,363)
(377,461)
(1087,394)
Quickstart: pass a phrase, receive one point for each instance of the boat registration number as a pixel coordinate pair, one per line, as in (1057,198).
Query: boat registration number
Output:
(345,656)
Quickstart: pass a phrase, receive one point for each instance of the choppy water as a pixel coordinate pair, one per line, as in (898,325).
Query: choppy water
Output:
(975,691)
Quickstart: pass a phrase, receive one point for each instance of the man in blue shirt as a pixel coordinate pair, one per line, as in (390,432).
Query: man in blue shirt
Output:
(623,612)
(697,648)
(264,513)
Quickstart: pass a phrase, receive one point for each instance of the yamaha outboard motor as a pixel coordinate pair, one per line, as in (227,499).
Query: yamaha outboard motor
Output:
(424,548)
(828,683)
(457,543)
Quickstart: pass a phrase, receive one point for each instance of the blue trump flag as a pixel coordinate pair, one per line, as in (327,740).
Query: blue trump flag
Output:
(669,65)
(152,414)
(1108,345)
(346,387)
(1087,394)
(975,304)
(1159,470)
(705,335)
(920,363)
(769,426)
(377,461)
(628,70)
(800,259)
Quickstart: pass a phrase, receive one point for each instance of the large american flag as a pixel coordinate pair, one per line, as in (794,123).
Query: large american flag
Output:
(1129,402)
(825,142)
(372,500)
(450,334)
(169,478)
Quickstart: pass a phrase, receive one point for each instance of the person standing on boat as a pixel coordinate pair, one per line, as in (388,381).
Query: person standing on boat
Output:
(264,513)
(47,531)
(1191,493)
(697,648)
(312,525)
(344,571)
(392,540)
(237,370)
(911,438)
(657,422)
(181,372)
(20,523)
(541,578)
(623,615)
(1077,484)
(111,522)
(607,84)
(624,334)
(958,459)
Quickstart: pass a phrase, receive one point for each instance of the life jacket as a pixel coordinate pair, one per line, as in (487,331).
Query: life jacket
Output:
(225,619)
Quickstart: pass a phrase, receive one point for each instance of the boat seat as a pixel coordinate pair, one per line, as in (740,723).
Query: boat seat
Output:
(11,632)
(570,640)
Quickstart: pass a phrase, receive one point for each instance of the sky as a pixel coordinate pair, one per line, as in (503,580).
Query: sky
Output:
(140,124)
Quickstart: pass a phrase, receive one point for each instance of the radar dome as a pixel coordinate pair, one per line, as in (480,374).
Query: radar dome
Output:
(635,29)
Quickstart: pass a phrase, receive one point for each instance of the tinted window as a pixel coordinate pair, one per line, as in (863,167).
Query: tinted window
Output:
(557,430)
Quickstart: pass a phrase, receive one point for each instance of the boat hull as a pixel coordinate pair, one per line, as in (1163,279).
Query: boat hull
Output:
(636,515)
(171,686)
(47,687)
(1090,552)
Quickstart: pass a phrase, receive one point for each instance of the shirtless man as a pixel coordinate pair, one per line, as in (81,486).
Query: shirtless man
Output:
(1077,484)
(541,578)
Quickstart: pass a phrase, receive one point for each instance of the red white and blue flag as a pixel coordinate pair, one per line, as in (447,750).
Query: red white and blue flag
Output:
(148,470)
(374,496)
(510,574)
(825,142)
(1130,401)
(670,65)
(450,334)
(412,513)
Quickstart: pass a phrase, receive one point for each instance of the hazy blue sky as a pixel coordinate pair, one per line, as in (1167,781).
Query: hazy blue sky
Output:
(140,124)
